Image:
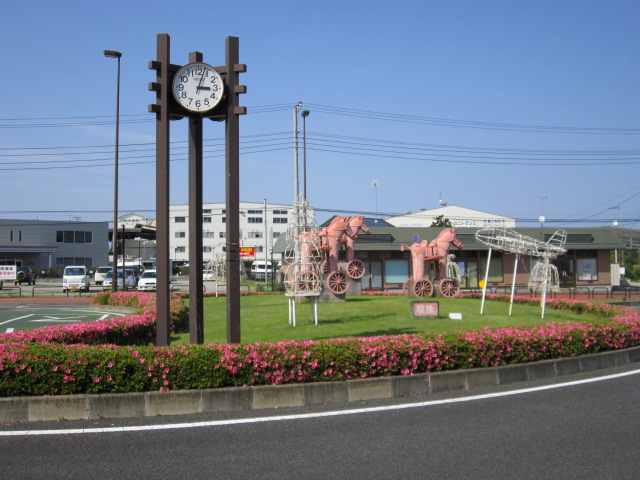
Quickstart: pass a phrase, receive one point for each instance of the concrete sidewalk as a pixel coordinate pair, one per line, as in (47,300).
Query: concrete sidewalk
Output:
(127,405)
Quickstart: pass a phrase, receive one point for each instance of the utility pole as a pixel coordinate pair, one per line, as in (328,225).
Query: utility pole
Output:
(296,182)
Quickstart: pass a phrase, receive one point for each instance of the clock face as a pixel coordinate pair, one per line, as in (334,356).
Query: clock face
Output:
(198,87)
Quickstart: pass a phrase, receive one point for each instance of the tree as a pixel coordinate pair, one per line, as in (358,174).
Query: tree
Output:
(440,221)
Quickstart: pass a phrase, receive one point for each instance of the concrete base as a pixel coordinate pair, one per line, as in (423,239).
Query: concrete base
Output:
(123,405)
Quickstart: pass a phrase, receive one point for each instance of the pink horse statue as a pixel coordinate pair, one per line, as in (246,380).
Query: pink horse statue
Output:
(440,248)
(437,251)
(330,240)
(355,267)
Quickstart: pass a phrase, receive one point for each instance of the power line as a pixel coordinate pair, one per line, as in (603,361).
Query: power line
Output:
(448,122)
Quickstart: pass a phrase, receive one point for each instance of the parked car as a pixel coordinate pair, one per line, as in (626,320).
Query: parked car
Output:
(147,281)
(75,277)
(207,275)
(25,275)
(108,280)
(100,273)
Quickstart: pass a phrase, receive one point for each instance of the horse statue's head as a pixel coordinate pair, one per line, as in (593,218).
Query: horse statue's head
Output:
(444,240)
(355,224)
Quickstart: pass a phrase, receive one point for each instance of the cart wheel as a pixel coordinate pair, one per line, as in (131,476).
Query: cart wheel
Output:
(337,282)
(449,287)
(423,288)
(307,281)
(355,269)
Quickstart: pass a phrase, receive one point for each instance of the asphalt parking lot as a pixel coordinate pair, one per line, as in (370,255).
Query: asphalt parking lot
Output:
(15,317)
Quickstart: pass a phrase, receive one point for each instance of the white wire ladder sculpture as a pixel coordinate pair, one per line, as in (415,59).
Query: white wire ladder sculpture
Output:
(544,275)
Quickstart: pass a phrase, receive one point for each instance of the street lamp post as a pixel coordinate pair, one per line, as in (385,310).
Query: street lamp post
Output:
(541,218)
(114,236)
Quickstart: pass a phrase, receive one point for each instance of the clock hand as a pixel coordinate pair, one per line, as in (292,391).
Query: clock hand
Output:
(199,87)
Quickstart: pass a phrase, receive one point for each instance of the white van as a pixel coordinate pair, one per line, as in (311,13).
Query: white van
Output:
(260,268)
(75,278)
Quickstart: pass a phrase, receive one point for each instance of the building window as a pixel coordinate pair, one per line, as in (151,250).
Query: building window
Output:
(276,234)
(254,219)
(180,220)
(62,262)
(255,234)
(206,210)
(15,235)
(224,219)
(208,234)
(586,265)
(495,267)
(280,212)
(181,234)
(396,271)
(254,212)
(223,234)
(207,249)
(71,236)
(206,219)
(279,220)
(181,249)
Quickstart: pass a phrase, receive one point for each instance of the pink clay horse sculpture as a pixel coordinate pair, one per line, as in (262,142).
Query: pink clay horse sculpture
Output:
(354,225)
(330,239)
(440,248)
(437,250)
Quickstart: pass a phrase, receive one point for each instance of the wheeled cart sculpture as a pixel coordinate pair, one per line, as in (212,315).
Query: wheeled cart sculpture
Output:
(447,272)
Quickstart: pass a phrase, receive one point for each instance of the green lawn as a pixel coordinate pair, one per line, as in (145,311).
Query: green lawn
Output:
(264,318)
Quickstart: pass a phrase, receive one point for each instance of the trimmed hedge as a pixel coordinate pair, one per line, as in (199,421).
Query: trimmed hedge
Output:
(46,366)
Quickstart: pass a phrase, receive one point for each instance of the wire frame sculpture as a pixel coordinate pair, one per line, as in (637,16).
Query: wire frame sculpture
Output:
(452,268)
(544,275)
(302,256)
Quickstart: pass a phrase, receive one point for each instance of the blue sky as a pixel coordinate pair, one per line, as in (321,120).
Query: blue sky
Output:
(489,105)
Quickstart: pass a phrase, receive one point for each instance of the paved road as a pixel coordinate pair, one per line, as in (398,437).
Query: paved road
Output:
(582,430)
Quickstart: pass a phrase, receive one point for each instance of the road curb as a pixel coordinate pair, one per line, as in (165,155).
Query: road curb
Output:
(234,399)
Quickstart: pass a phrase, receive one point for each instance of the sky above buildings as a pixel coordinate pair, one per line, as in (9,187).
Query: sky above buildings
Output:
(514,108)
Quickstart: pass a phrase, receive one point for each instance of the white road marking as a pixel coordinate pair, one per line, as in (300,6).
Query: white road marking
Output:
(16,319)
(219,423)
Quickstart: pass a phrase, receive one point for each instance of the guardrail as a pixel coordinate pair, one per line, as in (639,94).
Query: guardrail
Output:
(5,291)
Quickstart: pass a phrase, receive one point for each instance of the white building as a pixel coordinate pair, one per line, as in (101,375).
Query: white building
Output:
(132,220)
(259,229)
(459,217)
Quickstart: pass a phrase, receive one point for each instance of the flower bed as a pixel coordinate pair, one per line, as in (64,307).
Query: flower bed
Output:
(43,365)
